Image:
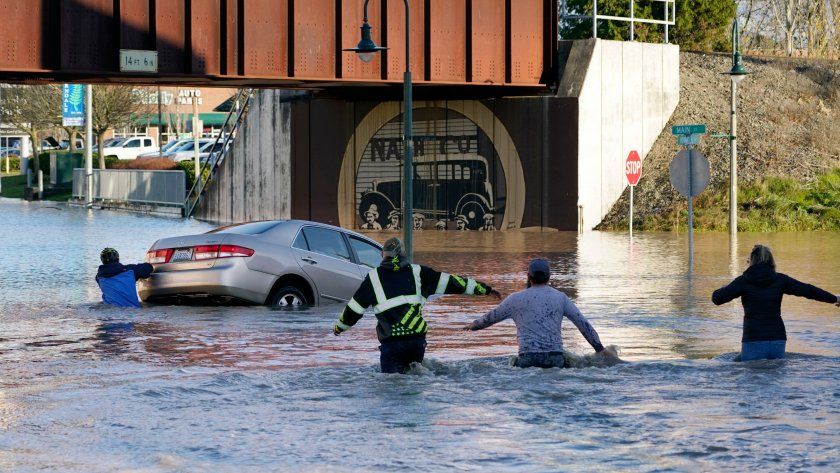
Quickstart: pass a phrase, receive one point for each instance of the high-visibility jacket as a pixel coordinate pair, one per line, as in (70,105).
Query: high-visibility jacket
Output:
(397,294)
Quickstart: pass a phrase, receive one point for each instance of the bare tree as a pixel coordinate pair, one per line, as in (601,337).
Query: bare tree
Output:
(32,109)
(114,106)
(790,16)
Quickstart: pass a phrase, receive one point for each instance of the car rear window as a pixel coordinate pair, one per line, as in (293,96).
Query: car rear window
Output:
(253,228)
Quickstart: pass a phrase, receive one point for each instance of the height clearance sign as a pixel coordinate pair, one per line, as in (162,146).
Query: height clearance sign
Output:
(633,168)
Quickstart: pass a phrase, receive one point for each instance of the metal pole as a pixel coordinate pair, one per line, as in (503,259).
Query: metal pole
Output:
(195,140)
(408,140)
(633,38)
(1,141)
(89,145)
(690,213)
(733,162)
(160,126)
(594,18)
(631,212)
(666,23)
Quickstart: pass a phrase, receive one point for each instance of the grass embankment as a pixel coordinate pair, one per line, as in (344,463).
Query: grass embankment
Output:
(769,204)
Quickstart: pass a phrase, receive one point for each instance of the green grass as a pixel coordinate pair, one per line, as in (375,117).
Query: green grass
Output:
(13,186)
(770,205)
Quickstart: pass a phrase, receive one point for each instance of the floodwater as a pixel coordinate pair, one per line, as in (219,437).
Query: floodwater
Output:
(88,388)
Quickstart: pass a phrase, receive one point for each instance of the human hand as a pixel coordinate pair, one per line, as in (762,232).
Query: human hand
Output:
(838,300)
(337,330)
(495,294)
(468,327)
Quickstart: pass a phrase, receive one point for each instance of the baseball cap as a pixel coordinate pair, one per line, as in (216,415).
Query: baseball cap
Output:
(393,247)
(539,269)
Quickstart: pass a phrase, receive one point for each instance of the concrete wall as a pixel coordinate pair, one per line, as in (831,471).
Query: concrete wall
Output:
(627,92)
(254,182)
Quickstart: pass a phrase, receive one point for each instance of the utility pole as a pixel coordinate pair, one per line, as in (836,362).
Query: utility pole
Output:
(195,140)
(88,145)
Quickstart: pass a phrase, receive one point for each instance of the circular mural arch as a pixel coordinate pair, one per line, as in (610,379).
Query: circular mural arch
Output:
(468,175)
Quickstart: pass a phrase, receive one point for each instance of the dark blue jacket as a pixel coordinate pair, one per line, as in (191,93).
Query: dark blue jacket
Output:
(117,282)
(761,289)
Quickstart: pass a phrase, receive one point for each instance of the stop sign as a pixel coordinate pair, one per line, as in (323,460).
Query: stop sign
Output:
(633,168)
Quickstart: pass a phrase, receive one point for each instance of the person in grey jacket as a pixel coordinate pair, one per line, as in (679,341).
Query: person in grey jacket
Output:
(538,313)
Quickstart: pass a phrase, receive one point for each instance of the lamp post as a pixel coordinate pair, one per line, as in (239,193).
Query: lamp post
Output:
(367,49)
(736,74)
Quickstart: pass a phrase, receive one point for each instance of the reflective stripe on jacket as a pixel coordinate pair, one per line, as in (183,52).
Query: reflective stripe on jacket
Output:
(397,293)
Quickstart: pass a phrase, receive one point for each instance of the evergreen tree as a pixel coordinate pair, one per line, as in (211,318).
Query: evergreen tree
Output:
(700,24)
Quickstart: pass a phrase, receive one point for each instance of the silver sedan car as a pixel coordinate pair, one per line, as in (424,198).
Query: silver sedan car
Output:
(277,263)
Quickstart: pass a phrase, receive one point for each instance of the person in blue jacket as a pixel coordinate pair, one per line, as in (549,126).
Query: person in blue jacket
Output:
(761,289)
(118,281)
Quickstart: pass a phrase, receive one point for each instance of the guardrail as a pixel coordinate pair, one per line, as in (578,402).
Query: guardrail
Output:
(670,12)
(138,186)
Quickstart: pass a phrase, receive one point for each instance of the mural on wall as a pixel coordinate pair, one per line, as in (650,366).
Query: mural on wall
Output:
(459,181)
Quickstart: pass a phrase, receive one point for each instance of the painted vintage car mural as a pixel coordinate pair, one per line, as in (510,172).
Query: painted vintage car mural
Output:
(455,190)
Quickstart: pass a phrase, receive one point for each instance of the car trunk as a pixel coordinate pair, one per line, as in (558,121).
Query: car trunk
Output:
(184,248)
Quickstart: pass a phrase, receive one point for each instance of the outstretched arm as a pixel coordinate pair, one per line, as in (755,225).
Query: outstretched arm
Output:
(502,312)
(572,313)
(434,282)
(141,271)
(801,289)
(355,308)
(728,292)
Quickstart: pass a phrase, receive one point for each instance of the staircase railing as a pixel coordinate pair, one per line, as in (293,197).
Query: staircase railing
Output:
(235,117)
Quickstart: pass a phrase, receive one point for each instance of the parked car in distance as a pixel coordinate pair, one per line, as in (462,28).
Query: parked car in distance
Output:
(279,263)
(130,148)
(187,150)
(165,150)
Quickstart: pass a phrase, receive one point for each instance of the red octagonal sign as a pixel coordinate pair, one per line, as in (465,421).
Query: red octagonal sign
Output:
(633,168)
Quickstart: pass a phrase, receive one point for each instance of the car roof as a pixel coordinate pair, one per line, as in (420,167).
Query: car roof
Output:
(289,229)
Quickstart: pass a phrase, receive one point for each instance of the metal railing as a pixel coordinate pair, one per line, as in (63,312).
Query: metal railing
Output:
(138,186)
(237,113)
(670,12)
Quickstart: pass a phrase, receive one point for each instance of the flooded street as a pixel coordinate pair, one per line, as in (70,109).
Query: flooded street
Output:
(87,388)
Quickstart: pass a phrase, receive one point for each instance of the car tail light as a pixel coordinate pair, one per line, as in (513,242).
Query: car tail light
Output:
(158,256)
(205,252)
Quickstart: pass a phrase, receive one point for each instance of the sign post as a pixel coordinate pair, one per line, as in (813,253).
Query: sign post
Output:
(689,173)
(633,172)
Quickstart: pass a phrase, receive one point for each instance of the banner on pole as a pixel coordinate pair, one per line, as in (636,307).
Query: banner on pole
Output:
(73,105)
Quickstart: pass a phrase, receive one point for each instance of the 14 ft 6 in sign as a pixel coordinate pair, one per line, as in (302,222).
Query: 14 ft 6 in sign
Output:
(633,168)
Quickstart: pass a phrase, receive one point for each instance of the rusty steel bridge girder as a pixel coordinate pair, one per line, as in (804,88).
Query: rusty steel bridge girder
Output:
(280,43)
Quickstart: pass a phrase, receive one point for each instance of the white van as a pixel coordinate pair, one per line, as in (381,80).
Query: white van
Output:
(129,148)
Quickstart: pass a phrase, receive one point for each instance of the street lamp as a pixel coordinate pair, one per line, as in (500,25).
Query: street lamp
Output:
(367,49)
(736,74)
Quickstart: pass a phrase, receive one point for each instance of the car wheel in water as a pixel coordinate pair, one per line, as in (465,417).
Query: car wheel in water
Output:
(289,297)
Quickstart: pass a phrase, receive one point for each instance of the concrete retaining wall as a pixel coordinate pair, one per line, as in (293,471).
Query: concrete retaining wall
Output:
(627,92)
(254,182)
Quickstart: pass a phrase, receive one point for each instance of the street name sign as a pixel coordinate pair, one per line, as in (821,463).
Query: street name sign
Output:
(72,105)
(688,135)
(137,60)
(699,172)
(688,130)
(633,168)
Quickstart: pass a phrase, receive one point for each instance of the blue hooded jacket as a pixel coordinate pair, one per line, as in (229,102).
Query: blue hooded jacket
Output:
(118,282)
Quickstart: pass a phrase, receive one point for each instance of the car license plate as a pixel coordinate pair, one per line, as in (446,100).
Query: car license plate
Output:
(181,254)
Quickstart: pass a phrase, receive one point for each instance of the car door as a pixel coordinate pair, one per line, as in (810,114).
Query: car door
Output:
(131,149)
(147,145)
(323,255)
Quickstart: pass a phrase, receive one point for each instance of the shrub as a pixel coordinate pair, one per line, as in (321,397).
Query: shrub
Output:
(157,164)
(188,167)
(14,164)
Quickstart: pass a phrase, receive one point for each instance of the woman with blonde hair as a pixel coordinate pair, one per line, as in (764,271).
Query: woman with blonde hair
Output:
(761,289)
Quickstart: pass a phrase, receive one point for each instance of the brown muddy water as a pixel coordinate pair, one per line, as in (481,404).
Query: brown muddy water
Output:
(88,388)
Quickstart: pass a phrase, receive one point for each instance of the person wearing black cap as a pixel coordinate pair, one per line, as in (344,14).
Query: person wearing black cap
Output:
(397,291)
(118,281)
(538,313)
